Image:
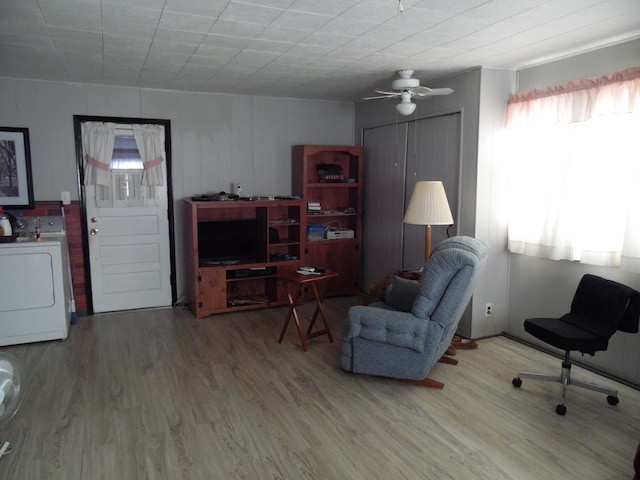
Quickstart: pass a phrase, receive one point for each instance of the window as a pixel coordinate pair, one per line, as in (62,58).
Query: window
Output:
(126,155)
(573,154)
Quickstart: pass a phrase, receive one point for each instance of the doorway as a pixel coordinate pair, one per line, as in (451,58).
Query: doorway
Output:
(127,219)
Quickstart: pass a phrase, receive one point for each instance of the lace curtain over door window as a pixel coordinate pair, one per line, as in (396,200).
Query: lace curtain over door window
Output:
(573,154)
(97,143)
(150,141)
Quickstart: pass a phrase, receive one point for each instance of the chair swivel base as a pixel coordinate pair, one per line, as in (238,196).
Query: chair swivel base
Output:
(566,380)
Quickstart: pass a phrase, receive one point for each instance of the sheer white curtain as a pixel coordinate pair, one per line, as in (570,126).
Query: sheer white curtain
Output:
(97,143)
(150,141)
(574,171)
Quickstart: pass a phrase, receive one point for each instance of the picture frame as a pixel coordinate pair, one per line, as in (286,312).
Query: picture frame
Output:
(16,183)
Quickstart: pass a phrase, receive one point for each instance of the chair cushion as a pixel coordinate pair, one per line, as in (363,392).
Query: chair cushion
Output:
(401,294)
(565,335)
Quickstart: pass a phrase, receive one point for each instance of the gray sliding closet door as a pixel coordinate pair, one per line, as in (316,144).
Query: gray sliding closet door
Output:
(433,153)
(384,163)
(395,158)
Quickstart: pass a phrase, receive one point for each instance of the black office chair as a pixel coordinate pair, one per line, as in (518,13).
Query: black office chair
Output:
(599,308)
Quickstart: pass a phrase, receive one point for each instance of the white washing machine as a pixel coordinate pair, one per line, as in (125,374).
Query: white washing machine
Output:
(34,283)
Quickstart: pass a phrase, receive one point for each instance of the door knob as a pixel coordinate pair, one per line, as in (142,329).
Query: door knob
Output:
(93,231)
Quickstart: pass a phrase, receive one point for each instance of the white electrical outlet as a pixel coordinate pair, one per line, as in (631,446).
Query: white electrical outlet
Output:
(65,197)
(488,309)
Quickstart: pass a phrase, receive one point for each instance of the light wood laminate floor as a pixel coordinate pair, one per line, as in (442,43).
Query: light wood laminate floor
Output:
(157,394)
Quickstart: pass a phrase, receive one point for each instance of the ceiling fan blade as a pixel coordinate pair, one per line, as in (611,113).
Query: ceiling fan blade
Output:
(436,91)
(379,96)
(420,90)
(390,94)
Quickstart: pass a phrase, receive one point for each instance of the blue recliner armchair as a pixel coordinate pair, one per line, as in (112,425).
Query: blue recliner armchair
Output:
(407,334)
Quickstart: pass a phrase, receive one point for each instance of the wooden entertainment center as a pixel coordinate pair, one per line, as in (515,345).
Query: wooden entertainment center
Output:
(249,280)
(217,286)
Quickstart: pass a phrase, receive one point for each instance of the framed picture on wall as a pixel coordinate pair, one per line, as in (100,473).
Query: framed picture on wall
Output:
(16,185)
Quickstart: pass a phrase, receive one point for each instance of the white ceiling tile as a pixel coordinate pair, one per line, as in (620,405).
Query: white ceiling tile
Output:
(163,60)
(161,47)
(366,45)
(327,40)
(429,38)
(203,61)
(69,38)
(207,8)
(261,45)
(283,34)
(85,72)
(215,52)
(389,33)
(497,10)
(248,13)
(300,20)
(73,19)
(130,20)
(8,25)
(152,4)
(310,51)
(316,49)
(179,36)
(372,12)
(216,40)
(22,12)
(417,19)
(183,21)
(127,46)
(404,49)
(450,6)
(325,7)
(348,55)
(267,3)
(249,59)
(341,25)
(32,41)
(236,29)
(331,63)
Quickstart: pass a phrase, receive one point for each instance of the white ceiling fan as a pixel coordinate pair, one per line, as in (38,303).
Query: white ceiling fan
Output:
(406,88)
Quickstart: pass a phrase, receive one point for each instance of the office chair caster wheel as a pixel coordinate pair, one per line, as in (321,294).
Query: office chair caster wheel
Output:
(611,400)
(561,409)
(517,382)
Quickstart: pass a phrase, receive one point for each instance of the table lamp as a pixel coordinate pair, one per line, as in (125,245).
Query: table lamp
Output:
(428,206)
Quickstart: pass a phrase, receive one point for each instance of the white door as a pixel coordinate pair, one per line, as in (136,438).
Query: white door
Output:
(129,248)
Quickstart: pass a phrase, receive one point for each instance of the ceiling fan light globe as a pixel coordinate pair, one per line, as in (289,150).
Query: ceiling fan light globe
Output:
(406,108)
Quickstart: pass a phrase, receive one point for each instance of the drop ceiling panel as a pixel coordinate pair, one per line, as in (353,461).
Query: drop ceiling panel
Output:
(330,49)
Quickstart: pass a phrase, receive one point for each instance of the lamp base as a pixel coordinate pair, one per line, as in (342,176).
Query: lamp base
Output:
(427,243)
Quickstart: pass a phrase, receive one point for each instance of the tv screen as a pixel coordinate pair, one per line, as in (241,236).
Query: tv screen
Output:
(228,240)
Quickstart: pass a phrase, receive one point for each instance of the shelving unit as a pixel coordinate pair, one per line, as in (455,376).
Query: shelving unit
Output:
(340,199)
(246,284)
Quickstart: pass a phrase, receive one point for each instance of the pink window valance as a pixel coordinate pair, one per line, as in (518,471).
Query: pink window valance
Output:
(577,100)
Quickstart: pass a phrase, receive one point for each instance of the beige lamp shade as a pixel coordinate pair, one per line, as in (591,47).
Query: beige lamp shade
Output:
(428,205)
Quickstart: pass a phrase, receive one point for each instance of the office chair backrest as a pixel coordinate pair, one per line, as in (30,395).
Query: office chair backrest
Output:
(603,306)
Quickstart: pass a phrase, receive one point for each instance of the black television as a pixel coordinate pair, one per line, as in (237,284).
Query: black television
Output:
(222,241)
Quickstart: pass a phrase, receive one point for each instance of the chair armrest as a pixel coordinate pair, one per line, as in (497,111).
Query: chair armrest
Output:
(401,329)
